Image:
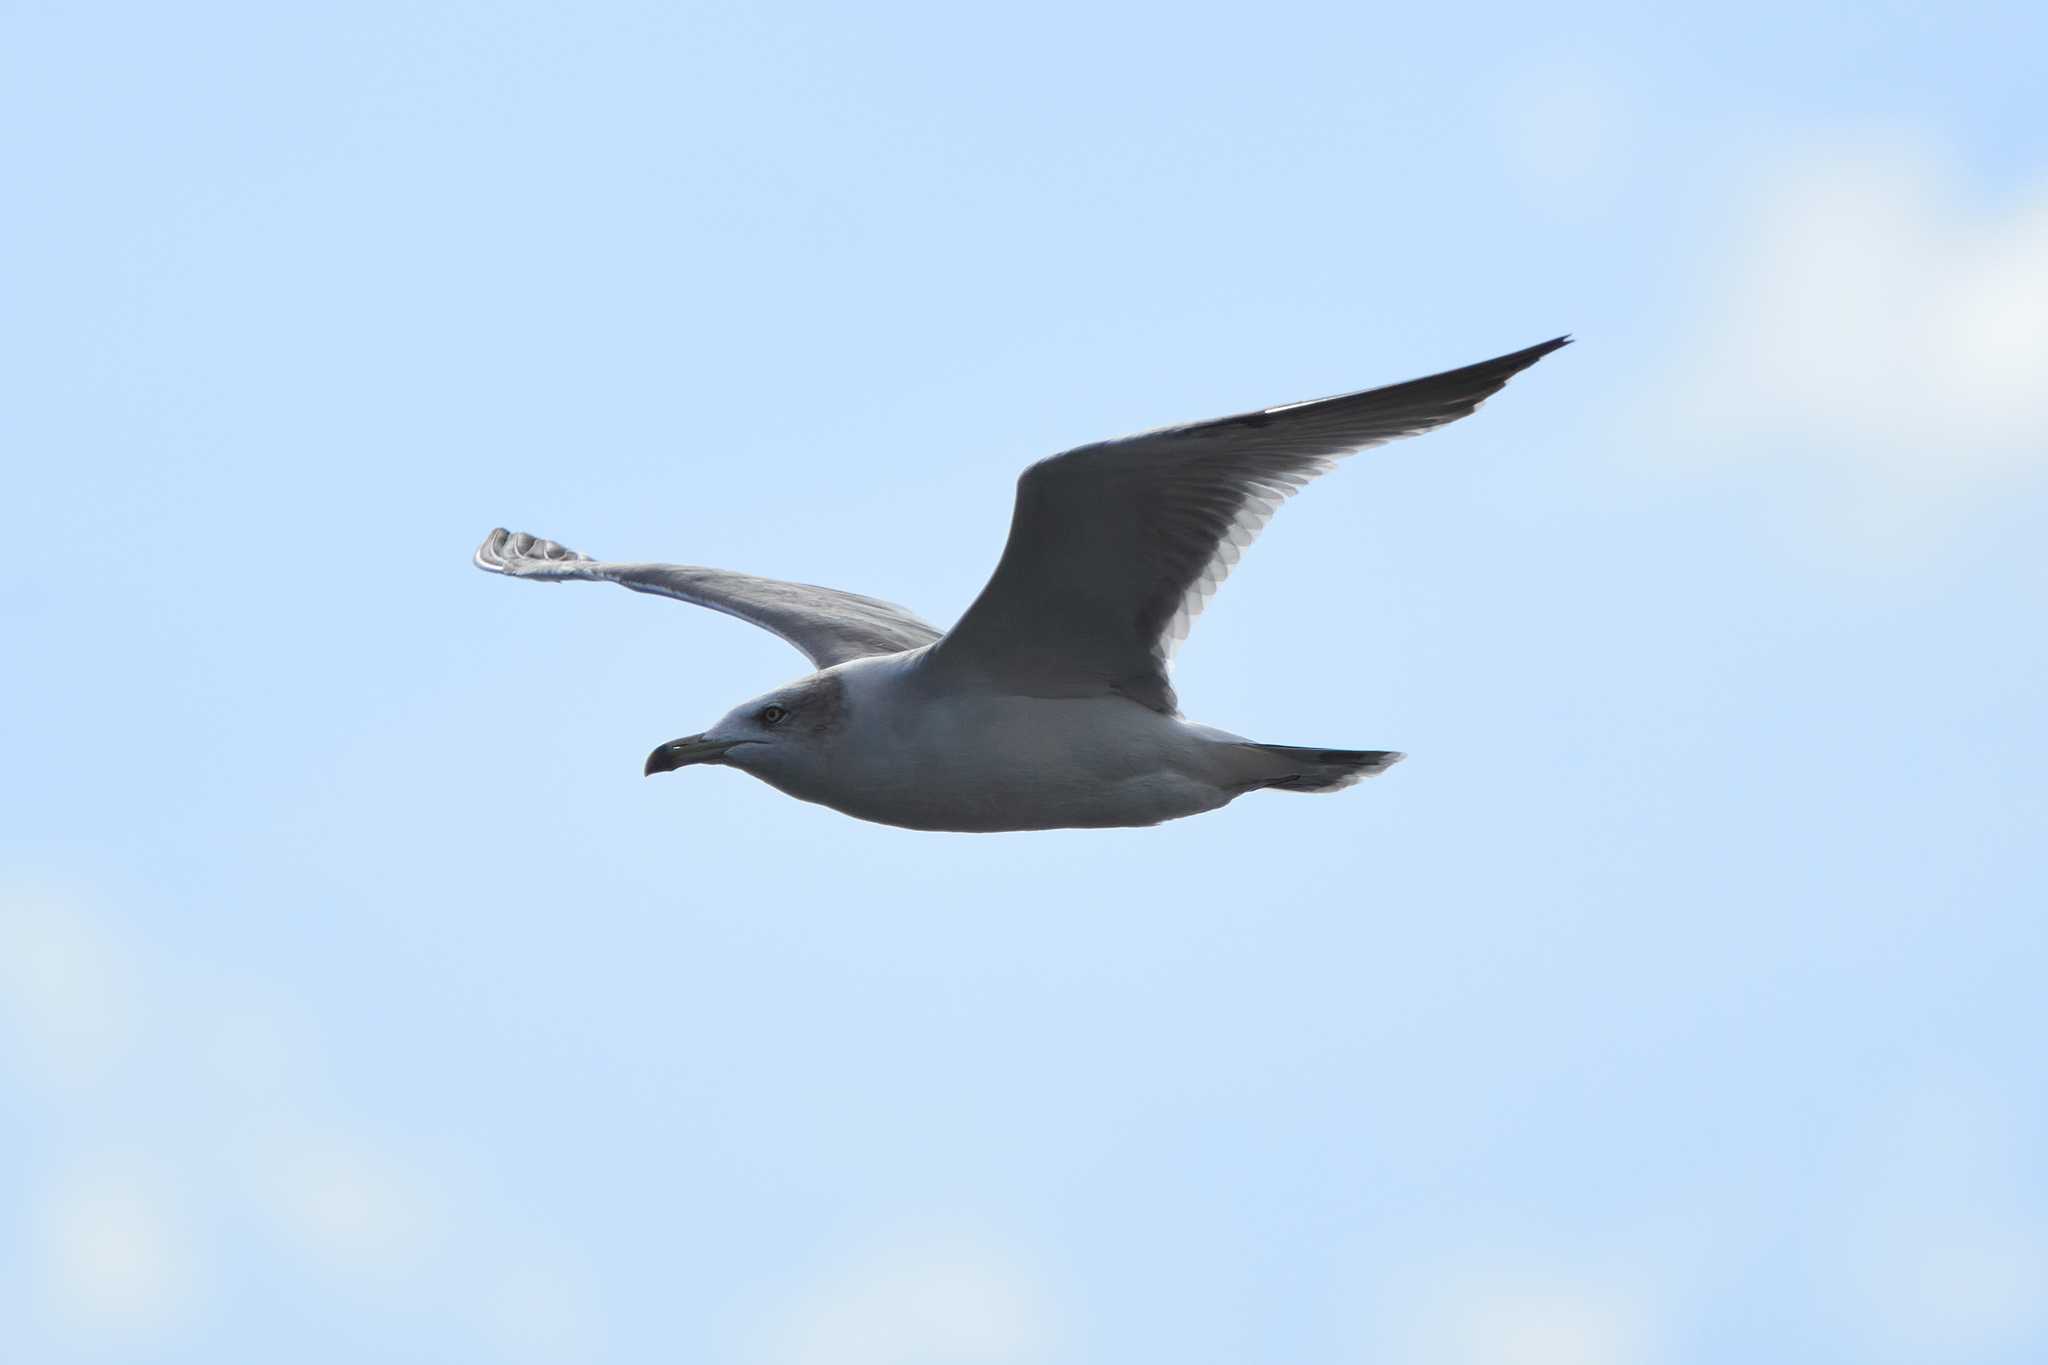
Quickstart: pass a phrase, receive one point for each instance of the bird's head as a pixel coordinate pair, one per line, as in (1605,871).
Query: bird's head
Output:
(775,733)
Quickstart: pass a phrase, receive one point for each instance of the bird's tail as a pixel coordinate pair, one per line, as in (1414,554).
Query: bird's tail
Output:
(1283,767)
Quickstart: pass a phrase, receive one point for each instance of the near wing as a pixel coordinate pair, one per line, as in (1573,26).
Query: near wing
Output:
(1114,547)
(828,625)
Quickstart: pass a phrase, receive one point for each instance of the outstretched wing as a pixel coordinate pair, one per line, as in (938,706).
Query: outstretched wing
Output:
(828,625)
(1115,547)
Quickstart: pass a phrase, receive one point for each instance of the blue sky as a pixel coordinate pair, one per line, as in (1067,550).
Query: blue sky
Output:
(1678,1001)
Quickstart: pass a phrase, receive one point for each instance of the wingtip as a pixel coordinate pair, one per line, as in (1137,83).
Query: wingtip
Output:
(516,554)
(1515,362)
(488,556)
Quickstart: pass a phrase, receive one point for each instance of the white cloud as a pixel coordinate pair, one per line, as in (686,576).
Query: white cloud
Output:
(1537,1323)
(349,1207)
(1870,313)
(220,1096)
(1490,1308)
(116,1251)
(65,992)
(931,1302)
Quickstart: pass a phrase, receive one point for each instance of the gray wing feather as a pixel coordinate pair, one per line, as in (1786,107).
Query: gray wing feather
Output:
(1115,547)
(828,625)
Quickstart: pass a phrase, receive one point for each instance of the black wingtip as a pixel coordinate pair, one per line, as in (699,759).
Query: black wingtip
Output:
(1507,366)
(1474,384)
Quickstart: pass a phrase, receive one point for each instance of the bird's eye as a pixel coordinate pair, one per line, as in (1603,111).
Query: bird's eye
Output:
(771,715)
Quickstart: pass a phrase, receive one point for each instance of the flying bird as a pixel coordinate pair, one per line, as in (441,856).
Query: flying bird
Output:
(1047,705)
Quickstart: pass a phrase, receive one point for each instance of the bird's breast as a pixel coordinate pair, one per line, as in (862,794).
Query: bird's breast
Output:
(989,761)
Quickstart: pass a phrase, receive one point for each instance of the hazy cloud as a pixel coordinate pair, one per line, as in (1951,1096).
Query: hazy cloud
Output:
(349,1207)
(1489,1308)
(66,995)
(922,1303)
(1871,312)
(111,1243)
(116,1251)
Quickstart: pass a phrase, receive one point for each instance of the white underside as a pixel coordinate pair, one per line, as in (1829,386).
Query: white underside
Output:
(982,760)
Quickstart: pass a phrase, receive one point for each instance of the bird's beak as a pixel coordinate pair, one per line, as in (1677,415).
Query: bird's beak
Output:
(681,753)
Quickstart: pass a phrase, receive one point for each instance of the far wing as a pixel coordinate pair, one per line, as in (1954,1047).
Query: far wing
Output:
(1115,547)
(828,625)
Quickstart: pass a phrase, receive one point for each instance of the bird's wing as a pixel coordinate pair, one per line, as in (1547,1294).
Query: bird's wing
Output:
(1115,547)
(827,625)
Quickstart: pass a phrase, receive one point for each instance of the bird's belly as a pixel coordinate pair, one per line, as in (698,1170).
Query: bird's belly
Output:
(1016,763)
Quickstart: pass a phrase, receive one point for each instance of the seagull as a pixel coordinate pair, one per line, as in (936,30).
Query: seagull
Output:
(1047,705)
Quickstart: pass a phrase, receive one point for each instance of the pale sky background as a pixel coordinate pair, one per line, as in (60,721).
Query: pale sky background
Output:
(1680,1000)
